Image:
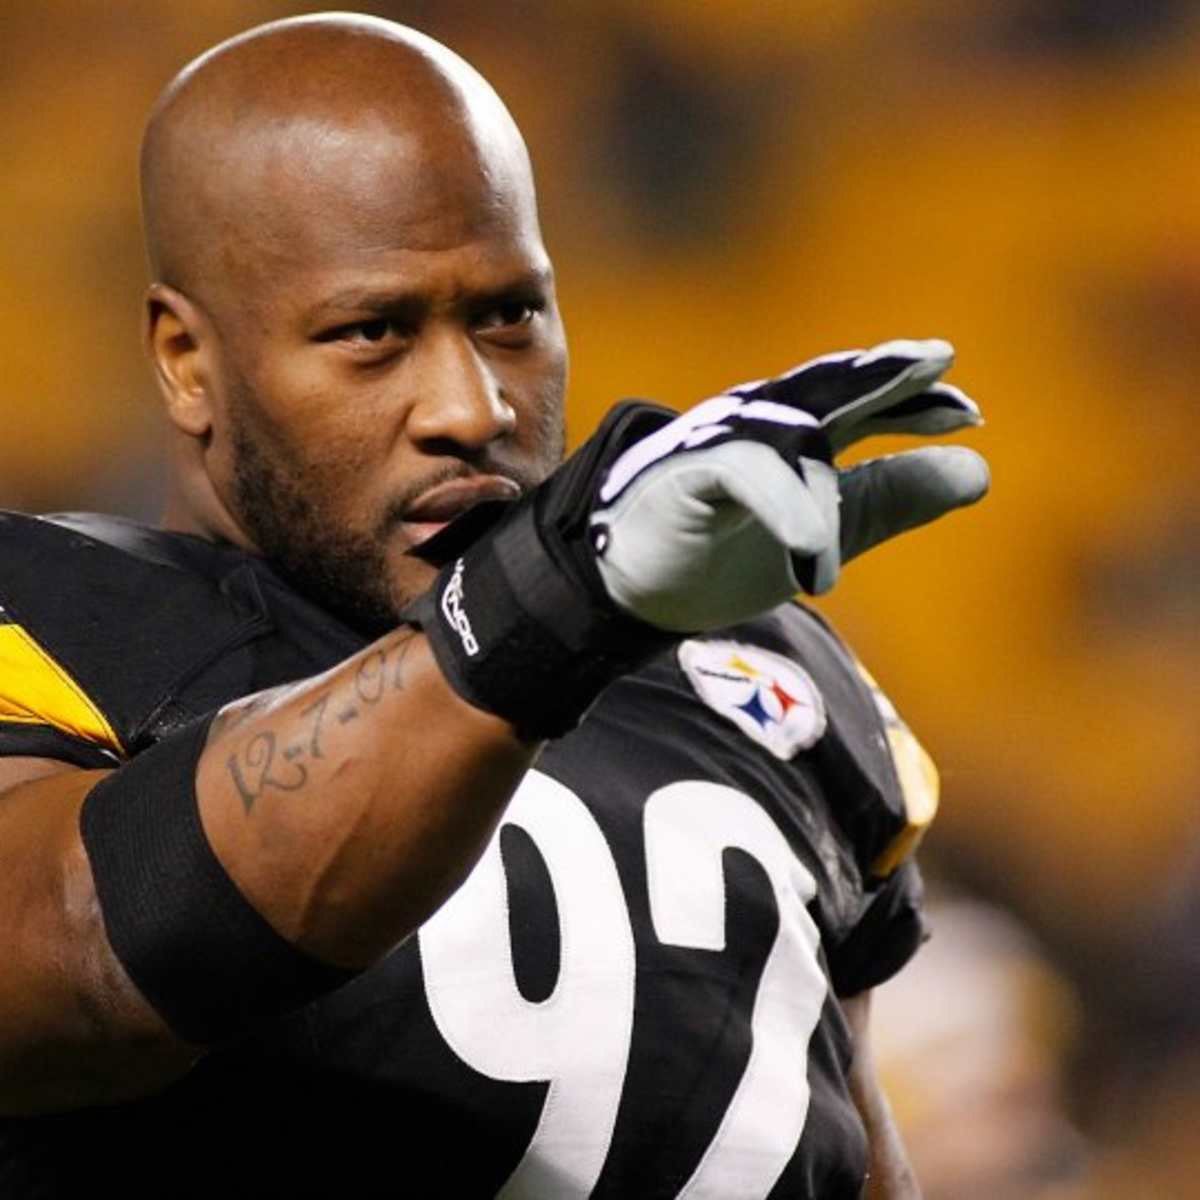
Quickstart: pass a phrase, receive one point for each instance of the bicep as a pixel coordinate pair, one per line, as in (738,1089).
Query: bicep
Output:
(69,1014)
(891,1175)
(15,770)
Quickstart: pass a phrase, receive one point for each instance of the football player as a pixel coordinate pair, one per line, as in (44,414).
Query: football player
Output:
(286,906)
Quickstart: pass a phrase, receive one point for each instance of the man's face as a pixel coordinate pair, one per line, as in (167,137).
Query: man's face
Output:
(393,354)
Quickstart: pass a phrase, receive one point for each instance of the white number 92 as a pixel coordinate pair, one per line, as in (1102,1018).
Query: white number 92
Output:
(577,1039)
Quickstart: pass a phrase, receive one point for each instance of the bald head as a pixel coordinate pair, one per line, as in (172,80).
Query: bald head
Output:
(269,143)
(352,305)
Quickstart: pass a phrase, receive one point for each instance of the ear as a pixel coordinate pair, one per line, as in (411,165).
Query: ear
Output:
(178,339)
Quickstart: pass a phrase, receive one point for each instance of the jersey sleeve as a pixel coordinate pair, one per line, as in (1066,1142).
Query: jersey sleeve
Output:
(892,925)
(888,933)
(916,776)
(43,711)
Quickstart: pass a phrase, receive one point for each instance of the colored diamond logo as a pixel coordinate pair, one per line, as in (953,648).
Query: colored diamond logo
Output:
(770,698)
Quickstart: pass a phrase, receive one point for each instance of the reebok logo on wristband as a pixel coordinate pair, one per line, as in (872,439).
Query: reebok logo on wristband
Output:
(452,610)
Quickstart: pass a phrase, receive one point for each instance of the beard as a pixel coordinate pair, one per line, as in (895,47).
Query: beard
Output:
(286,502)
(345,572)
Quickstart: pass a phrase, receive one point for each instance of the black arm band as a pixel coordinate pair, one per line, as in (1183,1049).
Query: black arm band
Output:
(199,952)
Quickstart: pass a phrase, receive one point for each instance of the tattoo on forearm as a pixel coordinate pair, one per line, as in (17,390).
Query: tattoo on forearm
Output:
(238,713)
(279,756)
(253,769)
(317,709)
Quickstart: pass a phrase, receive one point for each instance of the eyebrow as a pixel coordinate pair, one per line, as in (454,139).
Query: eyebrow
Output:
(398,300)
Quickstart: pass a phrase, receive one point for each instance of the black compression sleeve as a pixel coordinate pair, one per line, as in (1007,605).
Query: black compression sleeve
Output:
(195,947)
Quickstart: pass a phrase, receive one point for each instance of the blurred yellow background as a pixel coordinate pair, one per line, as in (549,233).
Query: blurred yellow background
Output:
(728,188)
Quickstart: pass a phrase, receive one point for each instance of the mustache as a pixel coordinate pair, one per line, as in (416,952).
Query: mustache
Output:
(397,509)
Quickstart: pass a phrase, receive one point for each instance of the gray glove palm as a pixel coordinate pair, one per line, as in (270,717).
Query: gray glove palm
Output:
(736,505)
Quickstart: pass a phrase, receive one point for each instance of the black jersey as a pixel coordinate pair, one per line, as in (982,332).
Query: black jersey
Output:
(633,995)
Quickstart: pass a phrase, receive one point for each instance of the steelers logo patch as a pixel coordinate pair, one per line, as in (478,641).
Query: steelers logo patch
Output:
(771,699)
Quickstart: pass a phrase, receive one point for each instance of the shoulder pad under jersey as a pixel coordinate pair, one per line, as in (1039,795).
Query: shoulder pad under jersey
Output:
(104,623)
(891,786)
(916,774)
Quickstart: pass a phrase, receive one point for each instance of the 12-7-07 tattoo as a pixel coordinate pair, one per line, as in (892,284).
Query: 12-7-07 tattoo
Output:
(281,755)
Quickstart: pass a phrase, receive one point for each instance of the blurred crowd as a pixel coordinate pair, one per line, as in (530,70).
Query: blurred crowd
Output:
(728,188)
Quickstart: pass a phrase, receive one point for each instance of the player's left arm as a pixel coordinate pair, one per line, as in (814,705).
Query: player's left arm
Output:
(890,1174)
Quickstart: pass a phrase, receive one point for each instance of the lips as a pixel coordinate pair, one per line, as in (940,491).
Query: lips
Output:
(433,510)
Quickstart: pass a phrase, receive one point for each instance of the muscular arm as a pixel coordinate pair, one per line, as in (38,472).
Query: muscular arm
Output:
(346,808)
(890,1174)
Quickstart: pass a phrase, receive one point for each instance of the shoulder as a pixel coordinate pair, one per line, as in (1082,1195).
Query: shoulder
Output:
(915,784)
(788,681)
(884,789)
(98,616)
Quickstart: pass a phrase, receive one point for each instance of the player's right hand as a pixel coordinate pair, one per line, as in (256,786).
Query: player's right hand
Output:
(735,505)
(661,525)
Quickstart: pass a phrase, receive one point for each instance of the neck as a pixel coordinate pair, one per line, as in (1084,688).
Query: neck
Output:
(194,506)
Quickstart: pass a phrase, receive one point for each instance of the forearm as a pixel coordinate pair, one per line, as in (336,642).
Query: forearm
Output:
(890,1174)
(347,807)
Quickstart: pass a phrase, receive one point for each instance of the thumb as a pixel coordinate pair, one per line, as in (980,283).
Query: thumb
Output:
(886,496)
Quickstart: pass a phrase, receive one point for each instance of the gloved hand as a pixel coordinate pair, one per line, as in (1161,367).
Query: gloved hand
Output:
(735,505)
(660,525)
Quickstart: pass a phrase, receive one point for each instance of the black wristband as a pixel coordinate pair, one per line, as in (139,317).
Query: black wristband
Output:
(196,948)
(516,637)
(520,622)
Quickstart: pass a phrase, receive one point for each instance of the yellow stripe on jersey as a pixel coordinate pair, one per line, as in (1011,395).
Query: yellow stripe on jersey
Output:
(917,774)
(35,690)
(920,786)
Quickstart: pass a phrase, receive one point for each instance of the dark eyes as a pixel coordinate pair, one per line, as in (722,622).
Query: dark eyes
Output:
(506,322)
(511,314)
(373,331)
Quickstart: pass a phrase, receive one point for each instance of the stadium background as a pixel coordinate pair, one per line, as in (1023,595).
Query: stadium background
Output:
(728,187)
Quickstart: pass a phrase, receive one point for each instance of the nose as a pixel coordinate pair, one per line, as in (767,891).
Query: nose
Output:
(460,407)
